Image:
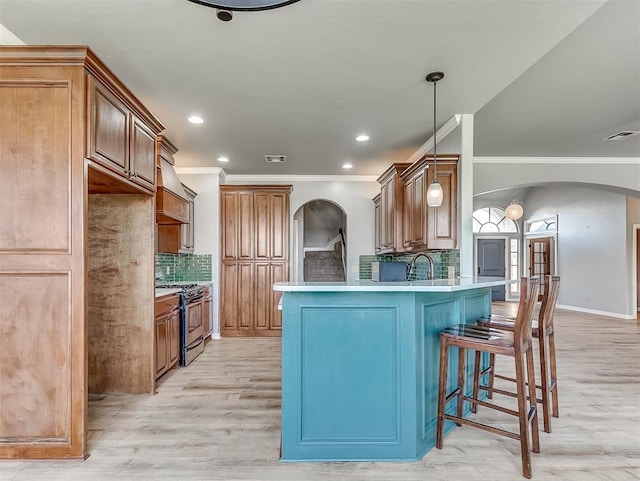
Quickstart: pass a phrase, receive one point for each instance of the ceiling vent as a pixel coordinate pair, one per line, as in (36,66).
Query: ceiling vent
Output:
(623,135)
(275,159)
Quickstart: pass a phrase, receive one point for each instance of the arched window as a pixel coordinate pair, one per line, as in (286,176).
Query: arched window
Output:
(492,219)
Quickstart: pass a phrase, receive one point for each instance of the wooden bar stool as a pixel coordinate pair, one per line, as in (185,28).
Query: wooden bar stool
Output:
(542,329)
(517,344)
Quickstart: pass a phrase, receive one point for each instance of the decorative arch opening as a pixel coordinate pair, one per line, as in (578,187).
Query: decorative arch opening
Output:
(320,237)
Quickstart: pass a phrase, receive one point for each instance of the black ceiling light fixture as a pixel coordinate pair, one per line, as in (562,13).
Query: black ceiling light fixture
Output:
(226,7)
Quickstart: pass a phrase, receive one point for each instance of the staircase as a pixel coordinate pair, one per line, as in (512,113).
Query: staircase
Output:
(324,266)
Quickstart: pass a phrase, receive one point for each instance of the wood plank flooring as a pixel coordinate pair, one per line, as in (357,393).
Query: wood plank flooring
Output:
(219,419)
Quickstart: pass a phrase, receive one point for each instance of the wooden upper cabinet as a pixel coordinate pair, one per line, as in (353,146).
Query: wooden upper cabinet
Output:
(256,221)
(404,222)
(377,208)
(187,231)
(142,158)
(391,209)
(119,140)
(109,128)
(442,228)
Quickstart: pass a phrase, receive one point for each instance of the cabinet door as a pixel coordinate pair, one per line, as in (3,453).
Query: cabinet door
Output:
(229,212)
(415,210)
(263,226)
(267,314)
(263,294)
(186,232)
(279,214)
(407,214)
(386,197)
(161,345)
(142,162)
(108,129)
(377,212)
(206,317)
(229,295)
(237,303)
(443,220)
(174,338)
(245,225)
(279,273)
(246,300)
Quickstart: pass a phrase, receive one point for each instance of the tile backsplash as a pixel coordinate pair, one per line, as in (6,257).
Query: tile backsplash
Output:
(183,267)
(442,260)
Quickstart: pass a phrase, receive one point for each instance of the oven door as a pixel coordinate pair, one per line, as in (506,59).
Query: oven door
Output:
(192,330)
(194,321)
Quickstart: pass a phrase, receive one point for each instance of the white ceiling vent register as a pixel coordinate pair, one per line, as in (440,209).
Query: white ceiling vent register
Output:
(623,135)
(275,159)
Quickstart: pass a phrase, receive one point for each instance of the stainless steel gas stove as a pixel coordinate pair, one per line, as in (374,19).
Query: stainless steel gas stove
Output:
(191,320)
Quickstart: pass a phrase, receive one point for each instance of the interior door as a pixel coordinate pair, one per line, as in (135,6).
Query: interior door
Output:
(540,260)
(491,255)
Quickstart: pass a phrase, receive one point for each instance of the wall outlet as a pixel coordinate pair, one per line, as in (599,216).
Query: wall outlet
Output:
(451,272)
(168,269)
(355,269)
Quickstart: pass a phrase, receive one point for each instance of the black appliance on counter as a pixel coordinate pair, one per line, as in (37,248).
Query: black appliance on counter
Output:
(191,320)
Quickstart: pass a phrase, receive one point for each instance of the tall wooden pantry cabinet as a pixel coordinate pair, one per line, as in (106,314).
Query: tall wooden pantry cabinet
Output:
(254,255)
(77,186)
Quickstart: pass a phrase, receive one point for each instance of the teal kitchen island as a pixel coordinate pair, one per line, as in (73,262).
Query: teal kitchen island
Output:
(360,364)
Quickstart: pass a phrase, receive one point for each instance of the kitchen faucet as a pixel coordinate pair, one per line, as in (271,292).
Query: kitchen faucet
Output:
(412,265)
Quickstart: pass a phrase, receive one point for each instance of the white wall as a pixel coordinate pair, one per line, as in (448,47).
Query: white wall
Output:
(354,197)
(633,239)
(206,227)
(592,246)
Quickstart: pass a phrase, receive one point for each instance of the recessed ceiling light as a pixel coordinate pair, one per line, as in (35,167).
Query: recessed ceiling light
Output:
(195,119)
(347,165)
(362,138)
(223,159)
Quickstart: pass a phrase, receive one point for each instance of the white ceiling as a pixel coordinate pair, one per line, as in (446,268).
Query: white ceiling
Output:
(544,78)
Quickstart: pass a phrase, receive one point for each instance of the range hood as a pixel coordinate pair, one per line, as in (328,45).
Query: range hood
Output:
(172,206)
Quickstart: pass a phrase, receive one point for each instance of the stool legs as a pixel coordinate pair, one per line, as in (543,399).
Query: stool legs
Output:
(554,375)
(544,383)
(442,388)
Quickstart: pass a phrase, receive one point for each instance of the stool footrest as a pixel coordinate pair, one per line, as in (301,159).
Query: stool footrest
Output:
(485,427)
(491,405)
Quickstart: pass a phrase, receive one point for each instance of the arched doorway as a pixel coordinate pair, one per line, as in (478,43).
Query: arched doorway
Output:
(497,249)
(319,236)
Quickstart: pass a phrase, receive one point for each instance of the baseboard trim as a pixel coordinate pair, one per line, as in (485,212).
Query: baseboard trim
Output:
(595,311)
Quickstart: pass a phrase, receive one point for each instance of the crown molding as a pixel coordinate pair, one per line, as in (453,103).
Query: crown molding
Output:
(449,126)
(556,160)
(300,178)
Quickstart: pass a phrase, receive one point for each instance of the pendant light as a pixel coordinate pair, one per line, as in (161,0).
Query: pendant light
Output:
(434,192)
(514,210)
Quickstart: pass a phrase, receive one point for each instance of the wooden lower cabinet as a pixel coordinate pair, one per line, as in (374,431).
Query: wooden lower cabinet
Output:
(249,306)
(207,318)
(167,333)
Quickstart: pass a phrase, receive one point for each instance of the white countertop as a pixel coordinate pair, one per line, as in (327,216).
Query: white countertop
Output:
(166,291)
(435,285)
(163,291)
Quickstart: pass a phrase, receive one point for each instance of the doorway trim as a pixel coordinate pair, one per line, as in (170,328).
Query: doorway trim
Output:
(507,253)
(635,268)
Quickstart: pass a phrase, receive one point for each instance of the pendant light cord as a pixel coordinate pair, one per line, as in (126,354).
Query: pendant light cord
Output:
(435,161)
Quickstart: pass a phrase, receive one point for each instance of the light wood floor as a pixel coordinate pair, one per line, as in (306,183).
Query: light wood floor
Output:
(219,419)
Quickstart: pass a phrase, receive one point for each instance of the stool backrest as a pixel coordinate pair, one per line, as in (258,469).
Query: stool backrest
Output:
(549,301)
(529,288)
